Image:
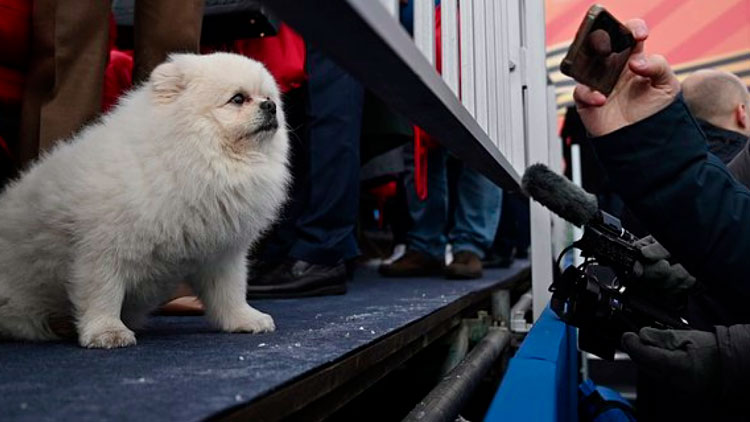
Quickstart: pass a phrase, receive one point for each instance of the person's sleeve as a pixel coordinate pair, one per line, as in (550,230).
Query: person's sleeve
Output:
(685,196)
(740,166)
(734,352)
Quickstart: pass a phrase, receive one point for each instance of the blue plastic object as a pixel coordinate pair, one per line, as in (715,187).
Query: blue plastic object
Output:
(602,404)
(541,380)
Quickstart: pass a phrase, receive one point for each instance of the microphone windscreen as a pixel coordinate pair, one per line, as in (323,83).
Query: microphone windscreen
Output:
(559,194)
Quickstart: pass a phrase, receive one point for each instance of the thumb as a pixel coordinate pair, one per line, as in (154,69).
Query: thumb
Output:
(654,67)
(655,251)
(664,339)
(650,356)
(630,341)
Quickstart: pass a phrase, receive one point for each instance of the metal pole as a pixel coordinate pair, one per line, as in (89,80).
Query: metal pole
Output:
(500,301)
(518,322)
(446,400)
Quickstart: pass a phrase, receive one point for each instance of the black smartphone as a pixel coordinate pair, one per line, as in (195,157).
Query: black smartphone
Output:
(599,52)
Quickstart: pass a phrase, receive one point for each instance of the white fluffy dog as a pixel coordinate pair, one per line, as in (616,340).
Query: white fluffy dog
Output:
(175,184)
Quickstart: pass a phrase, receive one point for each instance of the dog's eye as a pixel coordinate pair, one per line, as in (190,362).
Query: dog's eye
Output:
(238,99)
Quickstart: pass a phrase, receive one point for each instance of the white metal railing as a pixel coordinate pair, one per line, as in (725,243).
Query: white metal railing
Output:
(424,28)
(449,45)
(499,74)
(391,6)
(487,73)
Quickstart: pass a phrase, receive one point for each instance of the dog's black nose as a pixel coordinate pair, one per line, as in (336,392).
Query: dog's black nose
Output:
(268,106)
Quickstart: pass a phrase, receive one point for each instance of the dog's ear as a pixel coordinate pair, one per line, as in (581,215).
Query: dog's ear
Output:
(167,81)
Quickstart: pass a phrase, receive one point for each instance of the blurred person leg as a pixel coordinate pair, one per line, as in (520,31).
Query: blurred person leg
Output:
(426,240)
(66,71)
(160,28)
(324,229)
(522,235)
(513,234)
(476,216)
(163,27)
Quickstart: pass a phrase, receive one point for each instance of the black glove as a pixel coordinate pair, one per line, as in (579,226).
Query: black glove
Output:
(688,360)
(656,269)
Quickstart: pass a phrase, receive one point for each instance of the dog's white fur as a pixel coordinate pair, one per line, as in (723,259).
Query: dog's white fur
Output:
(175,184)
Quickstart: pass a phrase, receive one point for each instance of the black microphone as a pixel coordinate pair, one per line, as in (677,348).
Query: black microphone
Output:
(560,195)
(603,234)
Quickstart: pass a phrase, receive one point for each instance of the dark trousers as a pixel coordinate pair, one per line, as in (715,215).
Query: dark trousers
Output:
(317,225)
(69,53)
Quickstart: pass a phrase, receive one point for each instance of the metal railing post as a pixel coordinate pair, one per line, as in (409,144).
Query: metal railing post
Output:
(449,43)
(424,28)
(391,6)
(532,12)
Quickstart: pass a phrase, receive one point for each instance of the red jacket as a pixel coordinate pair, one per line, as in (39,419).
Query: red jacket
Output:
(15,45)
(283,55)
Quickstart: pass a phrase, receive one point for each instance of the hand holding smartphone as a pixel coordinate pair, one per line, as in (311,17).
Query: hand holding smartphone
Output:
(599,52)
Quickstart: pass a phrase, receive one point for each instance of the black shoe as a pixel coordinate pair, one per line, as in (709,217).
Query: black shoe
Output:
(298,279)
(496,260)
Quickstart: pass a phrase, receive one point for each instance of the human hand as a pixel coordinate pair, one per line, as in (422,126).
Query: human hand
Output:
(656,269)
(646,86)
(688,360)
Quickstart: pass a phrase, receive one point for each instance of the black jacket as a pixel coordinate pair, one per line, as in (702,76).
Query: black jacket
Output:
(723,143)
(688,200)
(734,355)
(740,165)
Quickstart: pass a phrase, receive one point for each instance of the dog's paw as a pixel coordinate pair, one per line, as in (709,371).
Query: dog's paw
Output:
(249,321)
(108,339)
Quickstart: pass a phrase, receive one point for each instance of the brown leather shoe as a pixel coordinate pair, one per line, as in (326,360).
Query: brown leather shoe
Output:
(466,265)
(413,264)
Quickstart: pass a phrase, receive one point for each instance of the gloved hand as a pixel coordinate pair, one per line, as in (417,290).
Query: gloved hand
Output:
(656,269)
(688,360)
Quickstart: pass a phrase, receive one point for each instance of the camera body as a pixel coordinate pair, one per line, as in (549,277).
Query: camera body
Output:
(601,296)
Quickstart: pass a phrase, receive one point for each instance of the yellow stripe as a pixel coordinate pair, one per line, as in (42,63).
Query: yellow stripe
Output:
(557,76)
(565,94)
(735,68)
(710,60)
(554,60)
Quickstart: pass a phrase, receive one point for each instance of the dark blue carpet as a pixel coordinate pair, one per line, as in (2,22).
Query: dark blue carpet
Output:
(182,369)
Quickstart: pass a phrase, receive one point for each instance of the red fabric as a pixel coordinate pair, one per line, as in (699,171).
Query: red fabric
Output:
(283,55)
(382,193)
(420,163)
(11,85)
(15,42)
(15,33)
(4,147)
(118,77)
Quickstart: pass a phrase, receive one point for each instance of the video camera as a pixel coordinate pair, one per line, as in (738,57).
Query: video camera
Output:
(601,296)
